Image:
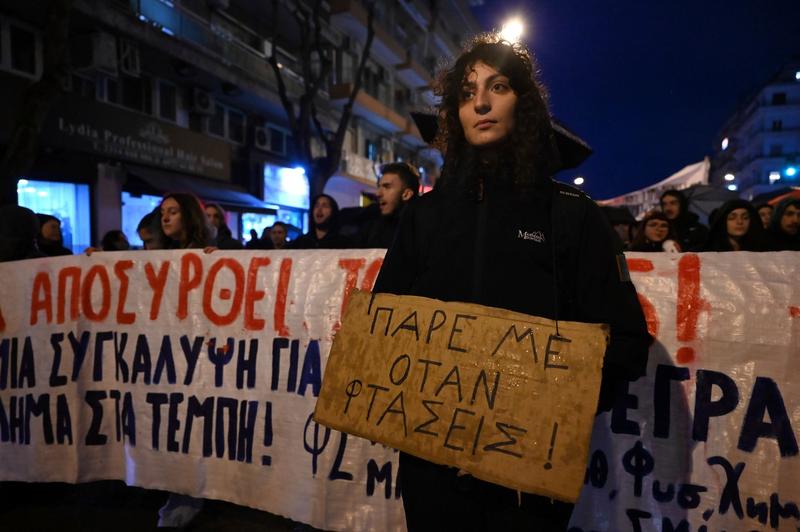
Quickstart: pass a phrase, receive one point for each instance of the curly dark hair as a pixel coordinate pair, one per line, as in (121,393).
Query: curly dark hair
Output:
(193,217)
(530,155)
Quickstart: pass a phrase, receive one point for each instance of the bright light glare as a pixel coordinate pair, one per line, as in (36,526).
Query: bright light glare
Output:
(512,30)
(797,75)
(774,176)
(578,181)
(42,193)
(791,171)
(22,182)
(725,144)
(729,177)
(732,187)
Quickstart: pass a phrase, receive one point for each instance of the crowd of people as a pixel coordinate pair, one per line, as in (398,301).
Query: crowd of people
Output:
(737,225)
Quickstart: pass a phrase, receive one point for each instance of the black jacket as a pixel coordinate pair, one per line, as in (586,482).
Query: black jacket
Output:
(692,235)
(499,252)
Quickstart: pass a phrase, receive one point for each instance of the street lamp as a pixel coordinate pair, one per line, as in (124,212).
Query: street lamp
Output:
(578,180)
(729,177)
(512,30)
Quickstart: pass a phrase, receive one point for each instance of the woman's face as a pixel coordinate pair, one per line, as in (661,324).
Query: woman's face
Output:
(171,221)
(487,106)
(738,222)
(656,230)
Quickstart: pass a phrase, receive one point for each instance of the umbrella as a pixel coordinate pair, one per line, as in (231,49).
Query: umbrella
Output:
(572,148)
(794,193)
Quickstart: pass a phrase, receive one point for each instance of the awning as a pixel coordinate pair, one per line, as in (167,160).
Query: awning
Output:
(143,180)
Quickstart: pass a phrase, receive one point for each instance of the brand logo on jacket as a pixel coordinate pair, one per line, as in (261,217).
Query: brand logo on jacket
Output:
(536,236)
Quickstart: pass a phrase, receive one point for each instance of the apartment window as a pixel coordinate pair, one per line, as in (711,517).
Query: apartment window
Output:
(779,98)
(216,124)
(236,122)
(112,91)
(371,150)
(137,94)
(277,140)
(83,87)
(167,101)
(777,125)
(227,123)
(20,49)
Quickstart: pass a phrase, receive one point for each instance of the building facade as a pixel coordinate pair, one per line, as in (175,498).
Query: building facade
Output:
(177,95)
(758,149)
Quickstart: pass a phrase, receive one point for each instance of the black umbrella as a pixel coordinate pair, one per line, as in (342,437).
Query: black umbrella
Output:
(572,148)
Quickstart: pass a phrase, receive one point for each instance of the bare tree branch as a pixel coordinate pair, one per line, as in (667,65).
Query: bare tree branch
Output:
(273,62)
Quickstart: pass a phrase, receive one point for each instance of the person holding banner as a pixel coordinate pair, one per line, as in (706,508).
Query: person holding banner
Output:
(498,231)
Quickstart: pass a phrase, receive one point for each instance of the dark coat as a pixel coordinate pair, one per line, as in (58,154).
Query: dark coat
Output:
(523,255)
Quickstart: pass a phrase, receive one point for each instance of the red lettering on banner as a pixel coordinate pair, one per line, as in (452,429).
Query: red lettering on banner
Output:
(2,322)
(157,283)
(42,298)
(650,315)
(251,294)
(208,291)
(640,265)
(280,298)
(73,273)
(188,281)
(372,273)
(689,304)
(119,270)
(351,266)
(794,311)
(96,272)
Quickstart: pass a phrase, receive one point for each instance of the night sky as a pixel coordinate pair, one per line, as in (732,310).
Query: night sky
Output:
(649,83)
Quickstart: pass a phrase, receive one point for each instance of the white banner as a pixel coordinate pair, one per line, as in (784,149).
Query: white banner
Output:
(198,374)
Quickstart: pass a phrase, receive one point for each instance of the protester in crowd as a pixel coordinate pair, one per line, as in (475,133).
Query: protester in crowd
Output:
(692,235)
(183,222)
(115,240)
(324,232)
(397,186)
(19,227)
(218,218)
(498,231)
(277,235)
(623,222)
(655,233)
(148,229)
(736,227)
(765,211)
(49,239)
(784,227)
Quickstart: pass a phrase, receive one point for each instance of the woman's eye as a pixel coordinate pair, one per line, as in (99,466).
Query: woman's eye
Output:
(467,94)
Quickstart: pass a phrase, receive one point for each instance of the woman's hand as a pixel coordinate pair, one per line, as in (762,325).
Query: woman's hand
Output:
(209,249)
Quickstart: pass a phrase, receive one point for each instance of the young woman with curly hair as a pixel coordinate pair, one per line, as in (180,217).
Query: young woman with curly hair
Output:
(498,231)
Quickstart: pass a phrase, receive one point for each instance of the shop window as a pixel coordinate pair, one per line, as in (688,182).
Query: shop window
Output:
(285,186)
(134,208)
(253,221)
(69,202)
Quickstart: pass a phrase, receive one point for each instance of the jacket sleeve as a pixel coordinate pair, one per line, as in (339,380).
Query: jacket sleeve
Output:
(605,294)
(399,269)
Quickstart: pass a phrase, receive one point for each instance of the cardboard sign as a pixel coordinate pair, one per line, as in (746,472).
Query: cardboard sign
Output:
(504,396)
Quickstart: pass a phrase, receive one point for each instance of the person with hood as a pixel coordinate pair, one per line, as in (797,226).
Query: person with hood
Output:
(324,232)
(765,211)
(692,235)
(49,240)
(623,222)
(655,234)
(497,230)
(736,226)
(397,186)
(784,227)
(19,227)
